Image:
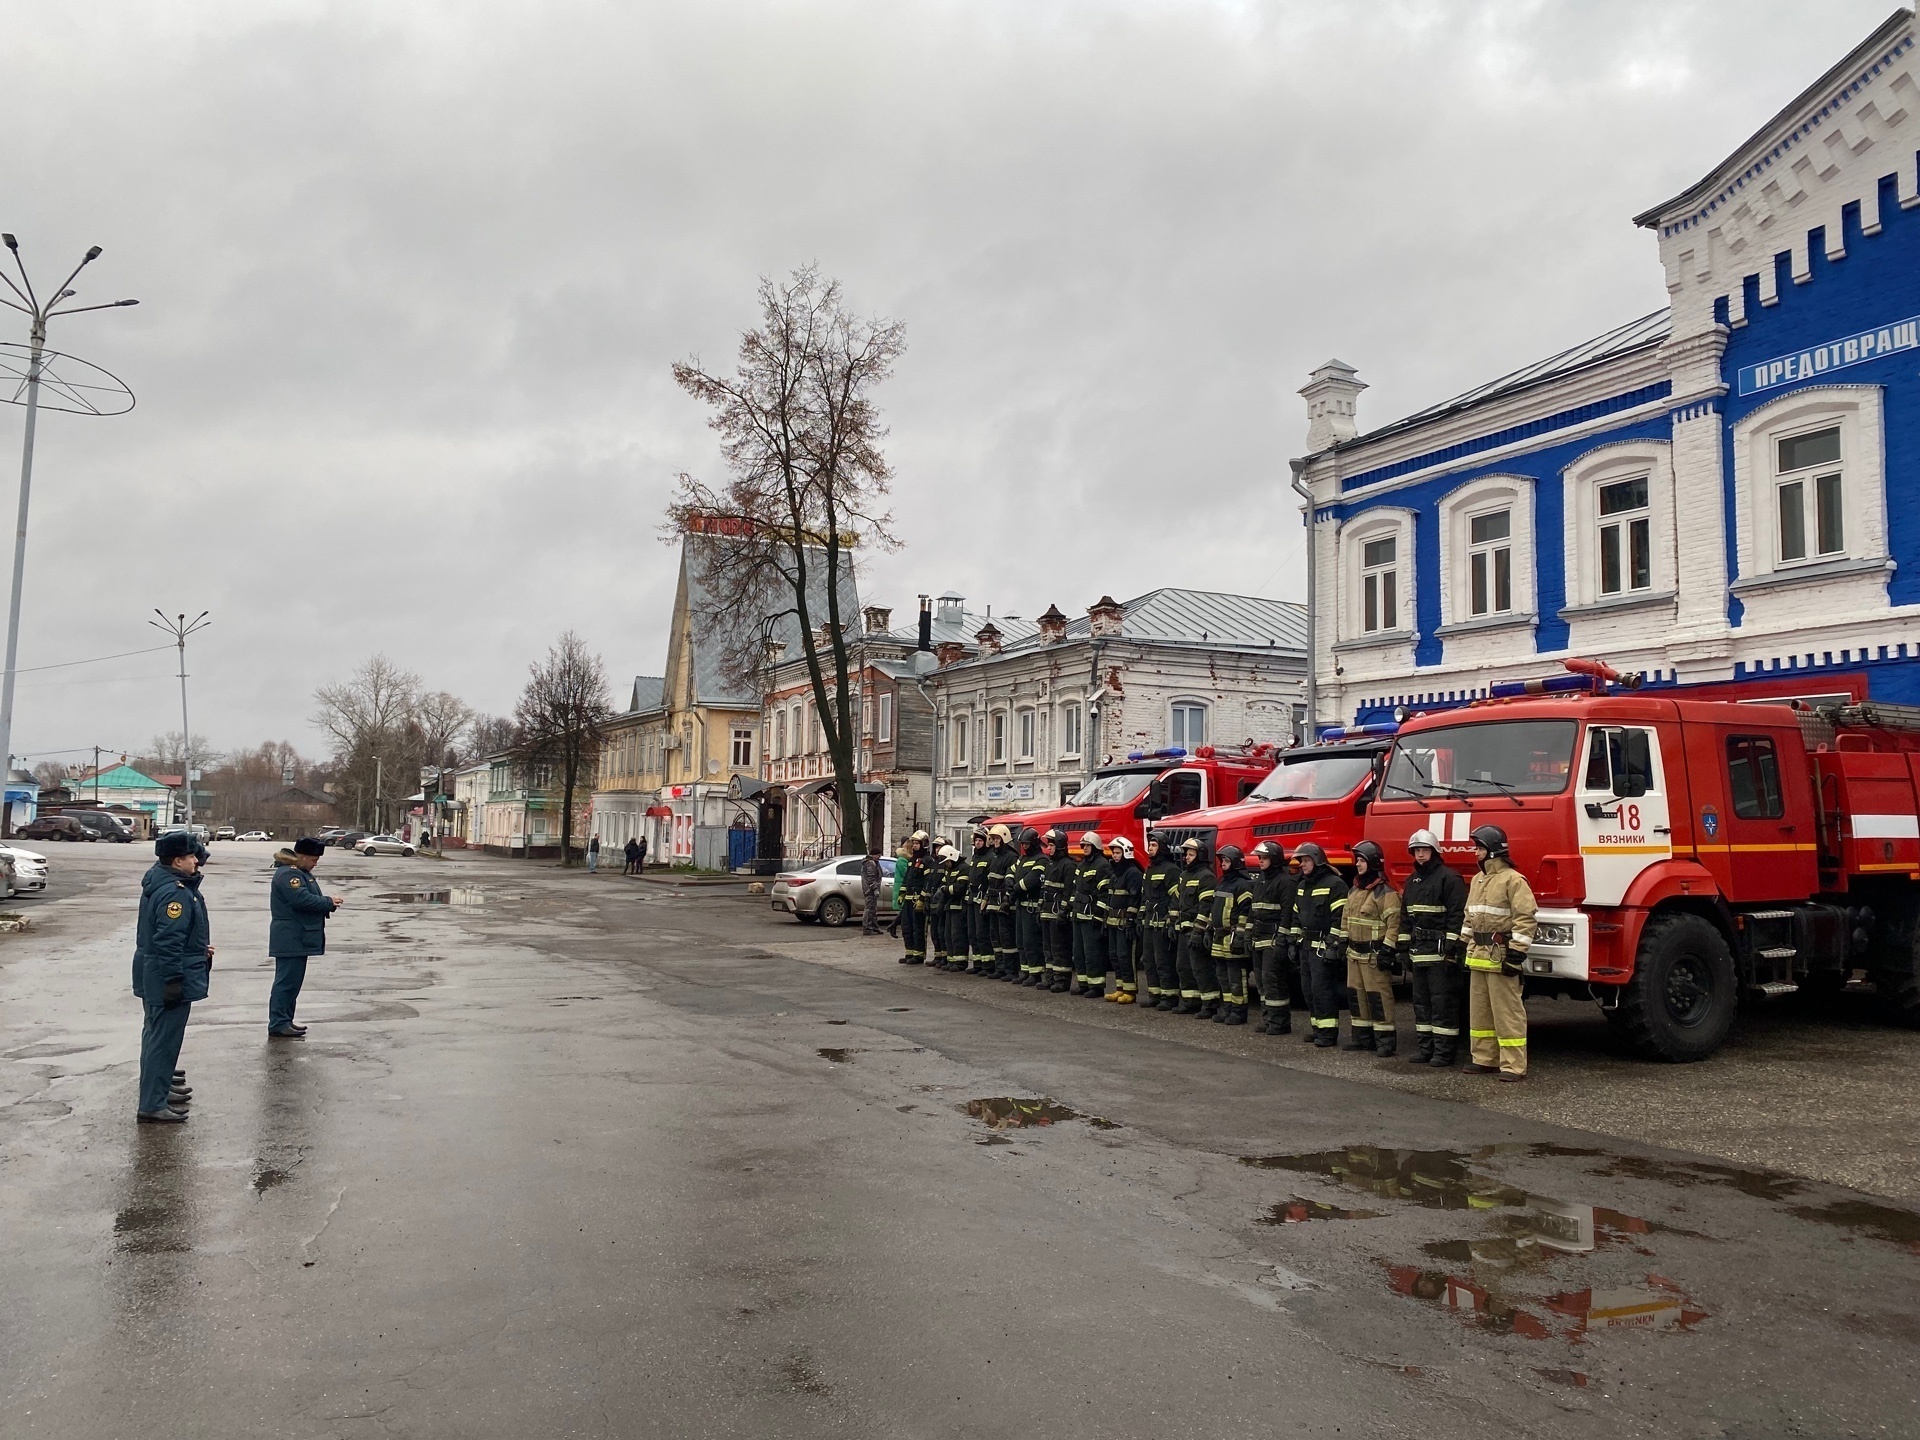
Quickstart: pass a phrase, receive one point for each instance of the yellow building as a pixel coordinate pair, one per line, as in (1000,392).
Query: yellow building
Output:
(626,799)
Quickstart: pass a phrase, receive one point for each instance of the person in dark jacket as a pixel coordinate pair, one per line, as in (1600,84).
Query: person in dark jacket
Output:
(299,931)
(1193,910)
(1433,906)
(869,889)
(176,965)
(1159,941)
(1029,882)
(1229,921)
(1089,934)
(640,860)
(633,857)
(1273,887)
(1319,900)
(1056,925)
(1120,911)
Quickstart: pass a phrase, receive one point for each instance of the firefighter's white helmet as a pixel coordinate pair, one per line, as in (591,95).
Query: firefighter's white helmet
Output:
(1121,846)
(1424,837)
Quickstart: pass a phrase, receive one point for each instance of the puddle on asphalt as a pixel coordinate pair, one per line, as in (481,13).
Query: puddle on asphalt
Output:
(1657,1304)
(455,896)
(837,1056)
(1010,1112)
(1298,1211)
(898,1009)
(148,1230)
(265,1178)
(1563,1377)
(836,1022)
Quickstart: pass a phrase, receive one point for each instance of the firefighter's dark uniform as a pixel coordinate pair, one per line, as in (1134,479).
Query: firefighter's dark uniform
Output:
(1029,885)
(1199,991)
(1273,945)
(979,928)
(1056,925)
(1157,937)
(1089,935)
(1120,904)
(1499,923)
(959,882)
(912,898)
(999,907)
(1229,946)
(1433,905)
(934,901)
(1371,920)
(1318,902)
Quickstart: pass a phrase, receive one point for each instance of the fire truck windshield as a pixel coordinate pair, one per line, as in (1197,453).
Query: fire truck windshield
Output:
(1325,777)
(1514,757)
(1106,790)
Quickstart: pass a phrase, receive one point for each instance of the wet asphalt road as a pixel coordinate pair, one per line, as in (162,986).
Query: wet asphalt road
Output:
(595,1157)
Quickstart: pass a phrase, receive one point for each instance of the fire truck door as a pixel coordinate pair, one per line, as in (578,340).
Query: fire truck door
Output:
(1185,790)
(1621,809)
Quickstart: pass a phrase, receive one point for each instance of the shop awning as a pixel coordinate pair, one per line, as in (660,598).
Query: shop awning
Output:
(664,812)
(827,787)
(745,787)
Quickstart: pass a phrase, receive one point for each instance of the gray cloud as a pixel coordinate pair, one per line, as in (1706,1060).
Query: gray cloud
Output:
(412,278)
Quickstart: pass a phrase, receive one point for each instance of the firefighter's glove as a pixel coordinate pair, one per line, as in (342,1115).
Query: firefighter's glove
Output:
(1511,962)
(1455,949)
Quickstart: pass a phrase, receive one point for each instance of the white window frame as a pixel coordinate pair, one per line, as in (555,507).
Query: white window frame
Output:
(1026,735)
(780,735)
(1806,483)
(1072,726)
(1581,483)
(1489,578)
(1489,493)
(1181,703)
(1380,587)
(1858,412)
(742,746)
(1380,522)
(960,727)
(884,735)
(996,737)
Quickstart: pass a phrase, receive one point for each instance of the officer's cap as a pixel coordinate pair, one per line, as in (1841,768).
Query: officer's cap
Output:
(174,844)
(307,845)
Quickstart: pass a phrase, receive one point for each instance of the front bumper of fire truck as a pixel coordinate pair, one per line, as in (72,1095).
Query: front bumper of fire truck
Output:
(1559,945)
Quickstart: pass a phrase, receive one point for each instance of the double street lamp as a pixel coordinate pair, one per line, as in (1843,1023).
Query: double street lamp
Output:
(180,628)
(83,397)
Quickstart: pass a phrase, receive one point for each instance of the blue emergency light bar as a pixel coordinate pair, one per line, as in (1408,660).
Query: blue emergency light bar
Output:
(1358,732)
(1171,752)
(1547,685)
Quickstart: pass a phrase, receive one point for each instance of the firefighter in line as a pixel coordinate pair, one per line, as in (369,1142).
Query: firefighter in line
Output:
(1056,925)
(959,877)
(1229,924)
(1121,898)
(999,903)
(1029,887)
(1499,932)
(934,902)
(1157,939)
(1319,898)
(979,932)
(1199,993)
(1371,920)
(1433,904)
(910,895)
(1272,905)
(1089,935)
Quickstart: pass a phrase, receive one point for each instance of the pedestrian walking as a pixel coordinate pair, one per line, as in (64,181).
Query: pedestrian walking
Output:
(1372,925)
(633,857)
(640,860)
(299,931)
(870,890)
(1499,924)
(1433,905)
(593,853)
(174,942)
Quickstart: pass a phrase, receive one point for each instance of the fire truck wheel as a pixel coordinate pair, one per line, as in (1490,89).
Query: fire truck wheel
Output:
(1679,1005)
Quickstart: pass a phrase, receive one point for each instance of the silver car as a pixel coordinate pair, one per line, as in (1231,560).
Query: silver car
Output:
(384,845)
(829,892)
(29,869)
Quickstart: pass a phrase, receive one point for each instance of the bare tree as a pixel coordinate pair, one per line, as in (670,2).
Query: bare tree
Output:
(168,755)
(50,774)
(562,717)
(800,434)
(442,719)
(371,719)
(490,734)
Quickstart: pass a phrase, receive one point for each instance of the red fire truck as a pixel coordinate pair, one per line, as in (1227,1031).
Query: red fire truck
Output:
(1125,798)
(1316,792)
(1686,854)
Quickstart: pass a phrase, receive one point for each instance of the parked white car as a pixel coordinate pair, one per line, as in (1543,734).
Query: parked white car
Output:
(829,892)
(256,835)
(29,868)
(384,845)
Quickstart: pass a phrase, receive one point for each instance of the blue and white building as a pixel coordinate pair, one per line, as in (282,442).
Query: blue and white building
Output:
(1727,490)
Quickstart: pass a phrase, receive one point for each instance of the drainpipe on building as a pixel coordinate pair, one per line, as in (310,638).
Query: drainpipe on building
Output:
(1313,660)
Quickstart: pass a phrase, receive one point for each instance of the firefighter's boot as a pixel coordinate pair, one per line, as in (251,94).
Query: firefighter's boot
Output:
(1424,1054)
(1359,1036)
(1386,1044)
(1237,1015)
(1443,1047)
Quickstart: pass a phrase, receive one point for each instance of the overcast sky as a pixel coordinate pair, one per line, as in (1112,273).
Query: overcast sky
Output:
(412,276)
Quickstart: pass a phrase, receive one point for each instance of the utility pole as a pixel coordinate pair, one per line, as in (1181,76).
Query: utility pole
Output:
(378,781)
(38,312)
(96,777)
(180,629)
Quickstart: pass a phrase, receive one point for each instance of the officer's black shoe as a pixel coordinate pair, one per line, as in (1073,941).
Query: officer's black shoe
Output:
(1284,1025)
(285,1035)
(179,1099)
(178,1076)
(168,1116)
(301,1028)
(1359,1040)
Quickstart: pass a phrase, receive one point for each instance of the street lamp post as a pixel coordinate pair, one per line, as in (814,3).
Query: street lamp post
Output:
(38,312)
(180,628)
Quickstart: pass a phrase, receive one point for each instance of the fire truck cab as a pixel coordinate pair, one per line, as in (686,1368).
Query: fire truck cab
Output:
(1685,854)
(1124,799)
(1314,792)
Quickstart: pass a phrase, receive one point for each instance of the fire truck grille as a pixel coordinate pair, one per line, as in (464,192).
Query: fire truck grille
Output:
(1174,836)
(1283,827)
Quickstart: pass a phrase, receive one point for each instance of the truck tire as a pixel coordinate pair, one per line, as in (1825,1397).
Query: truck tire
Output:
(1895,972)
(1679,1005)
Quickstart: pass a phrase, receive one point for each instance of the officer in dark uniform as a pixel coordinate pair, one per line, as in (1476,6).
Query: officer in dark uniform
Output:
(1120,896)
(959,882)
(1319,899)
(1273,887)
(1089,935)
(910,892)
(936,906)
(1199,991)
(1228,924)
(1056,925)
(1000,902)
(979,927)
(1158,940)
(1029,880)
(298,931)
(176,969)
(1433,905)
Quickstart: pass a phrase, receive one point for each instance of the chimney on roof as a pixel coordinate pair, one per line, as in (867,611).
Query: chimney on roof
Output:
(953,609)
(1333,395)
(1053,626)
(950,651)
(926,622)
(878,619)
(1105,617)
(988,638)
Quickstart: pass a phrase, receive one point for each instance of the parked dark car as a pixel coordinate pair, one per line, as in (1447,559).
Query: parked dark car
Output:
(103,825)
(347,839)
(56,827)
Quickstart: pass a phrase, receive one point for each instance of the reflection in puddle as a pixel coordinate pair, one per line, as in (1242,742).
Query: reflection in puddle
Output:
(148,1230)
(1009,1112)
(1658,1304)
(266,1177)
(435,897)
(1882,1222)
(1298,1211)
(837,1056)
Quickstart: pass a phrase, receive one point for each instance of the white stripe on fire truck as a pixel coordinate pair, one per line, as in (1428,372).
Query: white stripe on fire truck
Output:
(1886,827)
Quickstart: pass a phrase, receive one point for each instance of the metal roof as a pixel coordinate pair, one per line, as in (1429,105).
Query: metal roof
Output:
(1206,618)
(711,684)
(1641,334)
(648,691)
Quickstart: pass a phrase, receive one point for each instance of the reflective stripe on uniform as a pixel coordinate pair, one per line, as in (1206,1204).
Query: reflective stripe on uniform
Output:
(1508,1043)
(1482,1034)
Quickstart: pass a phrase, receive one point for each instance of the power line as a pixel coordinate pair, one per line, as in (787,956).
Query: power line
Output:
(62,665)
